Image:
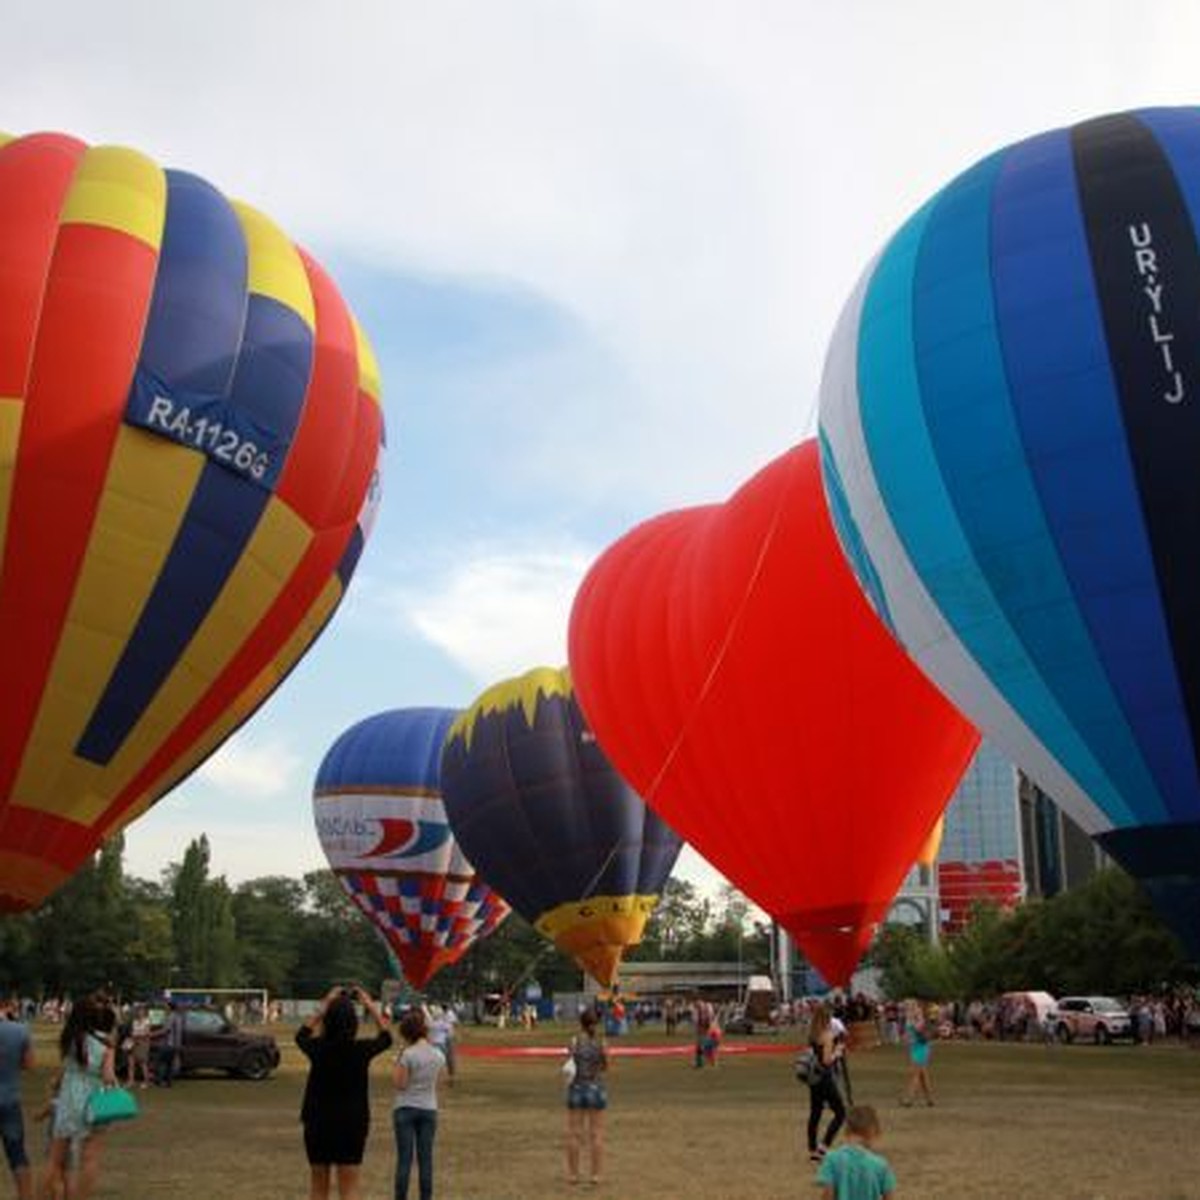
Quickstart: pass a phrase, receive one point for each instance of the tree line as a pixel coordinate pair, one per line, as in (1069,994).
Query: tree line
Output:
(1101,938)
(295,937)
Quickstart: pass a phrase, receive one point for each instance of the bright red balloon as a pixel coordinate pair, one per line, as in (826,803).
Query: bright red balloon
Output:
(733,672)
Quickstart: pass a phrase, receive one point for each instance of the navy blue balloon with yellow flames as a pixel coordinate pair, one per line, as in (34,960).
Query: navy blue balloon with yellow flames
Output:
(546,819)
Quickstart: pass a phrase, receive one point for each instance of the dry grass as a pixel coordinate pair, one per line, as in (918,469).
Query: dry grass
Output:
(1012,1123)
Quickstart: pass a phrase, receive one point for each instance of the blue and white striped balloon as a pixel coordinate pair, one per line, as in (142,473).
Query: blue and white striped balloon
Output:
(1010,424)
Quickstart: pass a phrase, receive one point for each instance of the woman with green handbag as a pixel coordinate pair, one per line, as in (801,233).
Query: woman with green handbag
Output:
(88,1064)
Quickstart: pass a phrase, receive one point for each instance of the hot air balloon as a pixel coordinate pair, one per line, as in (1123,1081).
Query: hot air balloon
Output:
(931,847)
(736,676)
(555,830)
(382,824)
(1010,416)
(189,436)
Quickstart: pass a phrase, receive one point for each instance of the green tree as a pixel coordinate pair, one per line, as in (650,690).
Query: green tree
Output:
(187,881)
(150,950)
(202,924)
(20,962)
(269,915)
(82,929)
(910,966)
(337,943)
(678,921)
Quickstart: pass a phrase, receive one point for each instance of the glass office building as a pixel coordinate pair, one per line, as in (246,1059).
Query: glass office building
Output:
(982,855)
(1003,839)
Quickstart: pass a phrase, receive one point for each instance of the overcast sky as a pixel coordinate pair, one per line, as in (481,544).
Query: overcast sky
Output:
(599,248)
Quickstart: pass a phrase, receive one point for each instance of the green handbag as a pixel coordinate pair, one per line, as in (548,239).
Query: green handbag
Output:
(109,1104)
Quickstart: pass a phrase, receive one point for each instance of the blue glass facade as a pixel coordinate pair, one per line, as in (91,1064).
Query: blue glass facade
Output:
(983,817)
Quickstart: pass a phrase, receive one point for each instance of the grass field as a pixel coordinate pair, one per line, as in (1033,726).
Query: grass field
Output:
(1011,1123)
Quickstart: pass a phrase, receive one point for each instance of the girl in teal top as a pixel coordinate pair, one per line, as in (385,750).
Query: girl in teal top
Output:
(917,1033)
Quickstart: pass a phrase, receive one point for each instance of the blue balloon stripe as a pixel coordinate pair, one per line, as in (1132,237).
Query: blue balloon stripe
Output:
(197,313)
(398,750)
(348,563)
(909,474)
(849,537)
(266,396)
(192,339)
(221,518)
(1121,692)
(1059,686)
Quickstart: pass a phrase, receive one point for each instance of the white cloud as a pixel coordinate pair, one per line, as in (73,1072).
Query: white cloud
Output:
(700,183)
(252,770)
(240,849)
(498,610)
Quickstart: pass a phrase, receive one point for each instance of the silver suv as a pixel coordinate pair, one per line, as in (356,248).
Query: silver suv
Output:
(1099,1019)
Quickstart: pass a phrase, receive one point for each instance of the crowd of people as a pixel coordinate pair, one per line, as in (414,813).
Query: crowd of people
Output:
(99,1041)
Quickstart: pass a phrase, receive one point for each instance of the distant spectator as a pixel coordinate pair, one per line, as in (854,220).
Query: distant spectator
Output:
(166,1045)
(16,1055)
(854,1171)
(138,1062)
(917,1031)
(443,1023)
(703,1015)
(336,1108)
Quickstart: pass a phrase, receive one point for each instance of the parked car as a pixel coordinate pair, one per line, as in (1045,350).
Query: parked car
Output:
(213,1043)
(739,1021)
(1099,1019)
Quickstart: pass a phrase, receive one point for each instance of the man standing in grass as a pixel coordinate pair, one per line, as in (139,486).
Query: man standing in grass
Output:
(16,1055)
(854,1171)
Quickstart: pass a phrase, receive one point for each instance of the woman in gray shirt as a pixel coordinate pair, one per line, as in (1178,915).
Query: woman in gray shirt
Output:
(414,1113)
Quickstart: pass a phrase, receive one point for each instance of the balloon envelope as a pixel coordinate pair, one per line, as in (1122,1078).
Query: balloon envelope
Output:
(1011,424)
(551,825)
(932,845)
(382,824)
(189,435)
(733,671)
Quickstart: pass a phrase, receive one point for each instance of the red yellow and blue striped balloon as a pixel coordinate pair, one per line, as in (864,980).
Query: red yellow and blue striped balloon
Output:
(190,430)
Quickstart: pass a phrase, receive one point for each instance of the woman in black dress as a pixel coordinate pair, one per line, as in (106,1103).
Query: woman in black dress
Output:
(336,1110)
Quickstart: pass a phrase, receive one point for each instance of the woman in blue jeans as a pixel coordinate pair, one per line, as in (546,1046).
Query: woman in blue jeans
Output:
(414,1112)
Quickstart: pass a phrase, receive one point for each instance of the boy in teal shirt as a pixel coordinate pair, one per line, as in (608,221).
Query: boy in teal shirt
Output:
(854,1171)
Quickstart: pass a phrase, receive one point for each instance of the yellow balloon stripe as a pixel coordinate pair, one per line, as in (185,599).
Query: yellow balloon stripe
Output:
(262,572)
(369,377)
(10,436)
(120,189)
(267,680)
(525,690)
(274,265)
(149,486)
(573,913)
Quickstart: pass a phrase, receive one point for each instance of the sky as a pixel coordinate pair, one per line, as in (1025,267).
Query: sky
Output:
(599,248)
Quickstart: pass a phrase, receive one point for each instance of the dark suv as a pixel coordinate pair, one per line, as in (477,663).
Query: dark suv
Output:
(212,1043)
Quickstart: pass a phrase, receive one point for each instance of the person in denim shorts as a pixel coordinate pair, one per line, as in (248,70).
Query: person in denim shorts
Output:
(16,1055)
(586,1098)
